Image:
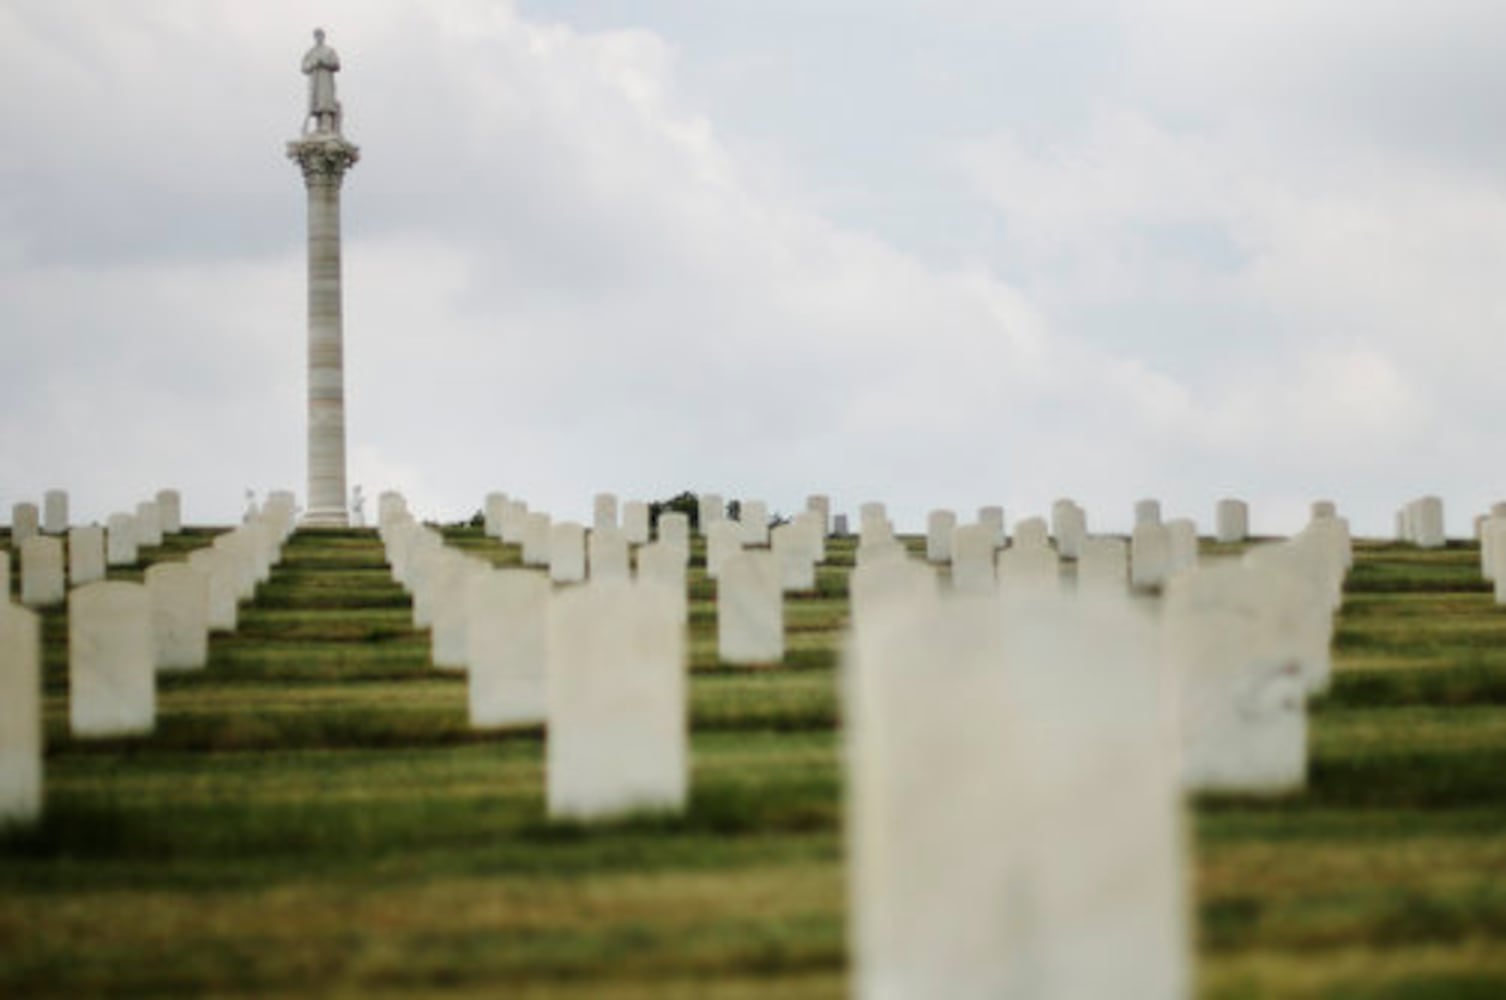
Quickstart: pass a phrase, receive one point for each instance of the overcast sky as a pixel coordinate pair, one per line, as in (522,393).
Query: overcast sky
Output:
(941,254)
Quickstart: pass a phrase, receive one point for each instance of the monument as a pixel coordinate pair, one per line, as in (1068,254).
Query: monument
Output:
(323,154)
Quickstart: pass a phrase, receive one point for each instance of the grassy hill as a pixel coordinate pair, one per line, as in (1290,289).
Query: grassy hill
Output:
(313,815)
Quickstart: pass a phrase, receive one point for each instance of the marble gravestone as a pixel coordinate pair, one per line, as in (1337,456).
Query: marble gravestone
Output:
(609,555)
(20,715)
(1031,533)
(449,641)
(674,531)
(887,586)
(43,581)
(987,740)
(820,505)
(507,647)
(536,526)
(170,507)
(1069,526)
(55,512)
(1029,569)
(794,548)
(567,552)
(220,577)
(491,514)
(753,515)
(663,564)
(5,575)
(1232,521)
(120,540)
(24,523)
(710,510)
(604,512)
(1181,537)
(724,539)
(618,740)
(1103,566)
(1242,696)
(179,596)
(148,524)
(973,547)
(112,670)
(1147,512)
(993,515)
(939,527)
(635,522)
(750,609)
(1150,555)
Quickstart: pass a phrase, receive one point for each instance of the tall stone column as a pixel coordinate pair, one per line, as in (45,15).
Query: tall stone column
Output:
(324,157)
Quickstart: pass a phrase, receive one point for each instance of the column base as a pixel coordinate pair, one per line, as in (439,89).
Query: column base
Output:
(326,517)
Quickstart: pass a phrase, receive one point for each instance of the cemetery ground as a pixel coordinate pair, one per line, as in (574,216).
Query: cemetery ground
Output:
(313,815)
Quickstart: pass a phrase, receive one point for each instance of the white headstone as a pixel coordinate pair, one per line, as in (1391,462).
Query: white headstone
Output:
(663,564)
(993,516)
(674,530)
(1324,508)
(884,586)
(112,671)
(1428,530)
(120,540)
(617,739)
(514,521)
(875,530)
(55,512)
(794,549)
(170,507)
(820,505)
(507,647)
(939,527)
(1031,533)
(1150,555)
(873,510)
(882,550)
(1233,521)
(1103,566)
(20,715)
(24,523)
(607,553)
(221,585)
(1069,526)
(567,552)
(635,522)
(536,539)
(43,582)
(750,609)
(811,521)
(180,615)
(449,635)
(604,511)
(973,547)
(711,510)
(723,540)
(753,515)
(148,524)
(1014,817)
(1147,512)
(1241,691)
(1029,569)
(1181,537)
(491,514)
(5,576)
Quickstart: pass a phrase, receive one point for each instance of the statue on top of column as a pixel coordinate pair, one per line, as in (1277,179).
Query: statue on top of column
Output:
(320,64)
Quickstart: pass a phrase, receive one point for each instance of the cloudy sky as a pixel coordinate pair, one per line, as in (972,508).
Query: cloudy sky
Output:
(941,254)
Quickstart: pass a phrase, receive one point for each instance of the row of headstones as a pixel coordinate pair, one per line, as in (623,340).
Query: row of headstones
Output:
(754,565)
(151,519)
(120,634)
(1155,551)
(91,549)
(602,662)
(1017,759)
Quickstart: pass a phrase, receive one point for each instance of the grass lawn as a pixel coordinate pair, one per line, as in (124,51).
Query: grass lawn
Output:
(314,816)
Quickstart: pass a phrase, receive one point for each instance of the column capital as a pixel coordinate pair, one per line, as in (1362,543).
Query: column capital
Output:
(323,157)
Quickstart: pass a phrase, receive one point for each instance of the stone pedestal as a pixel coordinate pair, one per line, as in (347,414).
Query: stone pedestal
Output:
(324,157)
